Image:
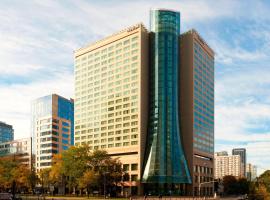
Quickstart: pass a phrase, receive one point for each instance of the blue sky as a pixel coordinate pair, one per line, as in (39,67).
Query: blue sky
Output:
(37,40)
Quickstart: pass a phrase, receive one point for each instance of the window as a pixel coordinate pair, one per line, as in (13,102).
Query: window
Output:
(134,177)
(126,167)
(134,167)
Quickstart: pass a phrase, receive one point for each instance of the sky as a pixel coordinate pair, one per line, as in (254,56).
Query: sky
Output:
(38,39)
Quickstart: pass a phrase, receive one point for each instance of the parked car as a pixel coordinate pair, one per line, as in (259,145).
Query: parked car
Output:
(8,196)
(5,196)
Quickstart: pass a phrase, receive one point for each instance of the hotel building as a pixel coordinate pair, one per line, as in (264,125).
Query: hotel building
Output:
(6,132)
(227,165)
(52,128)
(129,101)
(111,98)
(20,150)
(197,110)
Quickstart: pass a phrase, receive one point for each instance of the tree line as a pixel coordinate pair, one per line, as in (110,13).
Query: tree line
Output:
(258,189)
(76,170)
(79,170)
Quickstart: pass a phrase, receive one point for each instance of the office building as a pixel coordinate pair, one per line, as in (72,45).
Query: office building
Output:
(251,172)
(165,163)
(197,110)
(52,128)
(6,132)
(111,98)
(242,153)
(131,101)
(227,165)
(20,150)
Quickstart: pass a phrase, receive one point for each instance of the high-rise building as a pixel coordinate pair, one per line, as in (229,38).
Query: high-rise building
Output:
(242,153)
(131,101)
(165,162)
(222,153)
(6,132)
(52,128)
(111,98)
(251,172)
(20,150)
(226,165)
(197,109)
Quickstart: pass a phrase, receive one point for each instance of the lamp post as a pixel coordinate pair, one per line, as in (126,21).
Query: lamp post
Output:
(105,183)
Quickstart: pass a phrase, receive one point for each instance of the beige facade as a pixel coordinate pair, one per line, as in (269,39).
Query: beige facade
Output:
(227,165)
(21,149)
(111,98)
(251,172)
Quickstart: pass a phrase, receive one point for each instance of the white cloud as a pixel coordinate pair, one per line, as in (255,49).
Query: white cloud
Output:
(15,100)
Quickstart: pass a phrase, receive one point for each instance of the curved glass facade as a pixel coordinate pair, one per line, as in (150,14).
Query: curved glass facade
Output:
(164,157)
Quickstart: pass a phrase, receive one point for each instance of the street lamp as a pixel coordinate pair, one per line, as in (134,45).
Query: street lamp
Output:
(105,183)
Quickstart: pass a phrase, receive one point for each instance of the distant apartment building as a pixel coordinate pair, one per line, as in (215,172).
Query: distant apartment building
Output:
(243,156)
(6,132)
(20,150)
(227,165)
(197,109)
(251,172)
(148,98)
(52,128)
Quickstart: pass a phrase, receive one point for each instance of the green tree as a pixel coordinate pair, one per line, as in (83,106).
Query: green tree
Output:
(230,185)
(81,168)
(74,164)
(265,180)
(242,186)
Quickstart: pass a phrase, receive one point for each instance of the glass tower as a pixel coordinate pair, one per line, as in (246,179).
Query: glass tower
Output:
(6,132)
(52,128)
(165,161)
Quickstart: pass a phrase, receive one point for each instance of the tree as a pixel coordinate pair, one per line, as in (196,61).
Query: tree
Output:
(242,186)
(56,172)
(21,174)
(81,168)
(32,179)
(265,180)
(13,174)
(88,181)
(44,176)
(75,164)
(109,169)
(259,192)
(230,185)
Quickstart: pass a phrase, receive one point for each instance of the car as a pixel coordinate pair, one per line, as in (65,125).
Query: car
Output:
(17,197)
(5,196)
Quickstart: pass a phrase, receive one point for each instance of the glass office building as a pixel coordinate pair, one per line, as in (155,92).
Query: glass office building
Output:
(6,132)
(197,110)
(243,156)
(164,159)
(52,128)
